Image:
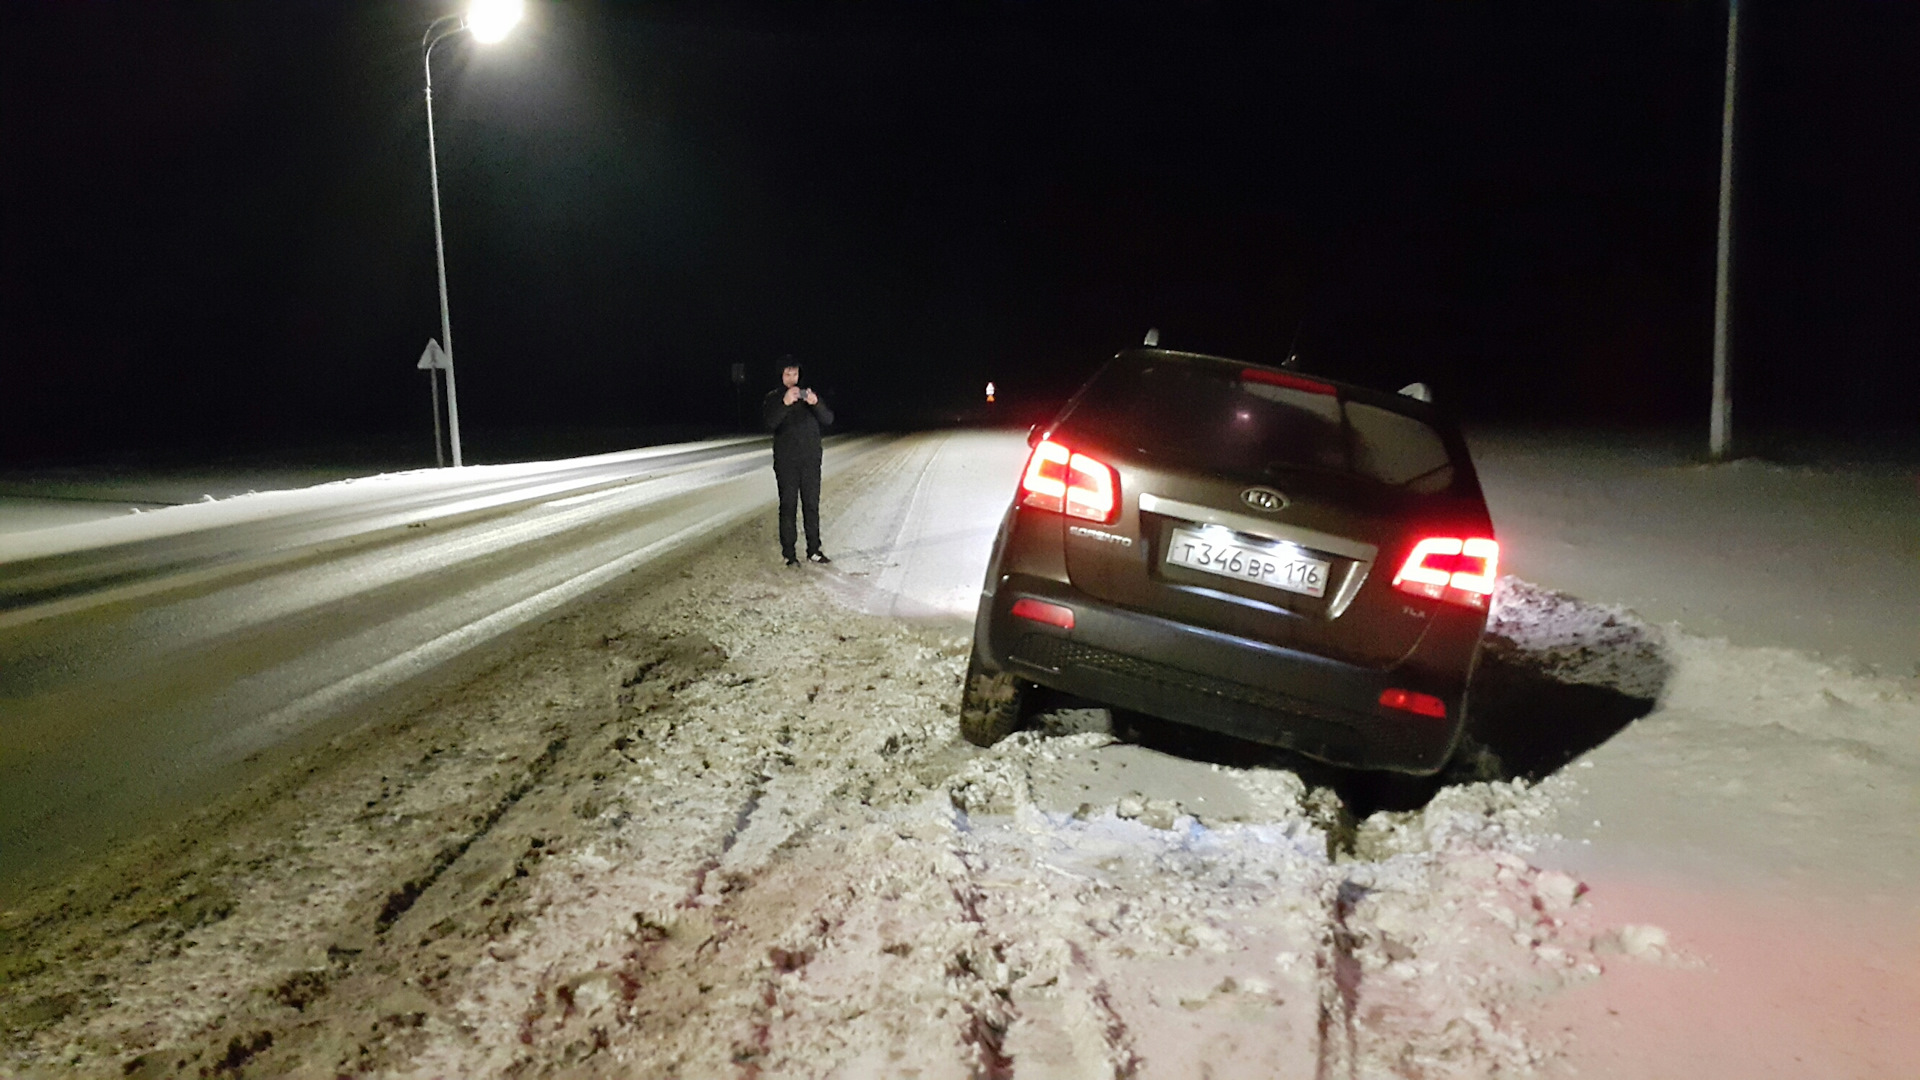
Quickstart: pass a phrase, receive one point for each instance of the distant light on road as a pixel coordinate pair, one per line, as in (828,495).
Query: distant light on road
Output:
(491,20)
(989,393)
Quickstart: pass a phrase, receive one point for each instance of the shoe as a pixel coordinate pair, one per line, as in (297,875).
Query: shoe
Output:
(791,561)
(817,557)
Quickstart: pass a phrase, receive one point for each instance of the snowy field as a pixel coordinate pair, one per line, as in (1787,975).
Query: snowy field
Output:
(716,822)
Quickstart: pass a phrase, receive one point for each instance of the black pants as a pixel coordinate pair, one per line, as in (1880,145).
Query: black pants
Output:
(798,480)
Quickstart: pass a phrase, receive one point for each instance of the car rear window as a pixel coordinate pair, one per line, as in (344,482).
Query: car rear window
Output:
(1217,417)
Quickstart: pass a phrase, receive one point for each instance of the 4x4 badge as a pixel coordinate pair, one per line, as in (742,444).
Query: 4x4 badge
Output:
(1264,499)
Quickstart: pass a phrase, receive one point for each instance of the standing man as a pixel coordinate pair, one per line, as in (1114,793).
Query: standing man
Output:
(795,415)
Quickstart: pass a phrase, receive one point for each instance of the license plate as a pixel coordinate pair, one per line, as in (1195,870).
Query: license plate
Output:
(1280,566)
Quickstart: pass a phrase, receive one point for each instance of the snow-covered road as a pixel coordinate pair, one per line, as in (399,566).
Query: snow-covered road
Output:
(144,658)
(716,821)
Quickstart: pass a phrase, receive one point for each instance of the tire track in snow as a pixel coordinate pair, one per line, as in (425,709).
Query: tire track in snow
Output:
(402,899)
(740,822)
(986,1028)
(1339,997)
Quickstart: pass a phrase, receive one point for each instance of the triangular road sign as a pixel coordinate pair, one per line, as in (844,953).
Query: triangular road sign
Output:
(433,357)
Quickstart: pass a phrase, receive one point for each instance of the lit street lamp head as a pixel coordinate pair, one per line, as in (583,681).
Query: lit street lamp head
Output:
(490,20)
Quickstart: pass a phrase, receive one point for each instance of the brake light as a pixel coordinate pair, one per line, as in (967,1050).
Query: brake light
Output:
(1077,485)
(1045,484)
(1282,378)
(1414,702)
(1040,611)
(1458,571)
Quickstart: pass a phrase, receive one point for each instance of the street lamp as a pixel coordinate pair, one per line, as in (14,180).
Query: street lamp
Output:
(488,21)
(1720,419)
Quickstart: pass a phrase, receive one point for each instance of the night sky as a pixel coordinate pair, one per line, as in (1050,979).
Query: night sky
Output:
(218,238)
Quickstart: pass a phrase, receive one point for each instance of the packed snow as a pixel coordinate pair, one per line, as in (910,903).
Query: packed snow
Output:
(717,821)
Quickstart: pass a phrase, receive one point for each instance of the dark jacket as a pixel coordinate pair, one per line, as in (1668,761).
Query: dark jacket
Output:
(795,427)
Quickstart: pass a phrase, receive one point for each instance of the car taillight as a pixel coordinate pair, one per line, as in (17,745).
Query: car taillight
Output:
(1451,568)
(1040,611)
(1414,702)
(1077,485)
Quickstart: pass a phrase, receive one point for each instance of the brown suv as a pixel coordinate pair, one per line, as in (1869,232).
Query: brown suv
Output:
(1276,556)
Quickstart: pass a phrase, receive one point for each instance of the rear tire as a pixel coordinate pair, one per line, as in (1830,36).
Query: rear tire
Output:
(990,704)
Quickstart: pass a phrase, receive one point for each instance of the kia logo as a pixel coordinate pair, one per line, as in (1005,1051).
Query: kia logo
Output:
(1264,499)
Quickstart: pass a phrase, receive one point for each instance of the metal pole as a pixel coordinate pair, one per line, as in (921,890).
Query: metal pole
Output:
(1720,425)
(440,255)
(433,384)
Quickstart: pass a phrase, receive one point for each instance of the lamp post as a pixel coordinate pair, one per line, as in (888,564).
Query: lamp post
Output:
(1720,419)
(488,21)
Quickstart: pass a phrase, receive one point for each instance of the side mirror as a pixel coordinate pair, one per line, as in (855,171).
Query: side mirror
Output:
(1034,435)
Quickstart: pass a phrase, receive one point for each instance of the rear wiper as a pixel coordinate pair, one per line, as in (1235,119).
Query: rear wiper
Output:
(1292,466)
(1422,476)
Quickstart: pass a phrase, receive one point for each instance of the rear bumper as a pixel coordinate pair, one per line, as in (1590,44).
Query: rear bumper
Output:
(1324,708)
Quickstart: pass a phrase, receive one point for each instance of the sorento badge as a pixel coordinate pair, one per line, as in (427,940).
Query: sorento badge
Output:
(1264,499)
